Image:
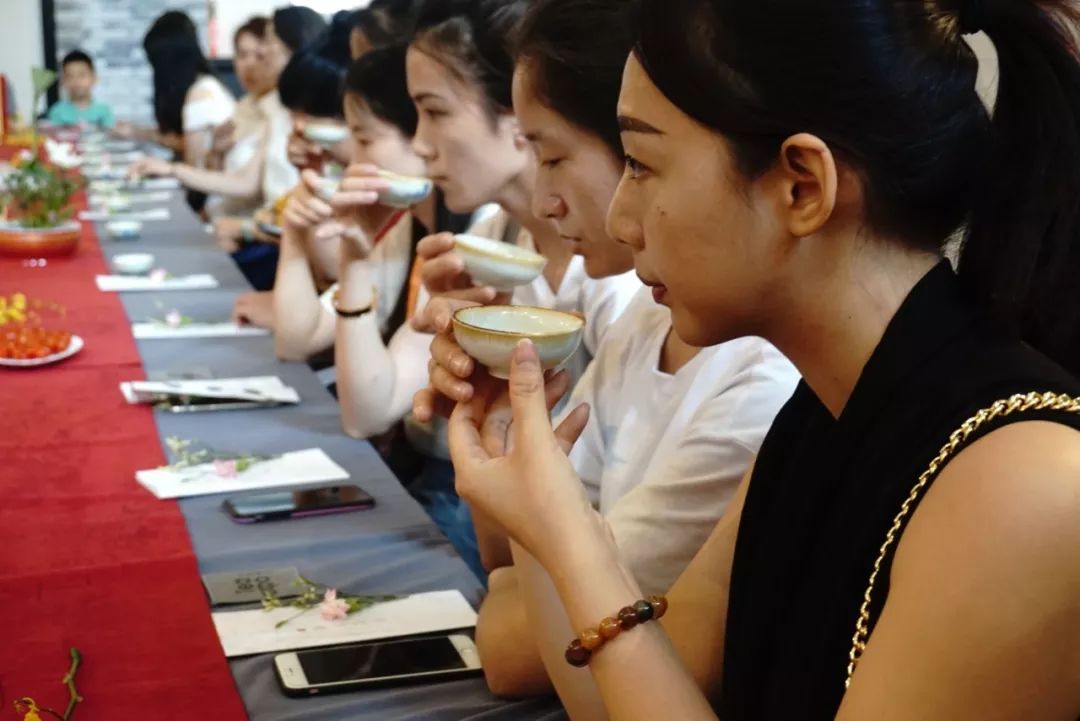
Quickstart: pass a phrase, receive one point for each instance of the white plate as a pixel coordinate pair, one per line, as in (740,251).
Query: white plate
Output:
(74,347)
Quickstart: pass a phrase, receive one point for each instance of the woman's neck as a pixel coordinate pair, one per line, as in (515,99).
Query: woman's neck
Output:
(424,211)
(675,353)
(831,328)
(516,200)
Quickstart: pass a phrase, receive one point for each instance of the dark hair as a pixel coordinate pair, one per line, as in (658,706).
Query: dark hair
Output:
(172,48)
(255,26)
(77,56)
(378,78)
(473,40)
(312,80)
(298,26)
(575,70)
(388,22)
(890,86)
(169,25)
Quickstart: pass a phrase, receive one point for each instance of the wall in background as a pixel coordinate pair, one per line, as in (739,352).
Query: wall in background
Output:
(111,32)
(22,47)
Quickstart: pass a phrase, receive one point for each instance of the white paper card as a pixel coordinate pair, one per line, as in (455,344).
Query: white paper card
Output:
(117,283)
(151,331)
(99,216)
(256,389)
(291,469)
(158,184)
(154,196)
(243,633)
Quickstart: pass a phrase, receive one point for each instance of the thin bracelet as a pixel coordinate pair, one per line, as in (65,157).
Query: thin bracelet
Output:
(355,312)
(581,649)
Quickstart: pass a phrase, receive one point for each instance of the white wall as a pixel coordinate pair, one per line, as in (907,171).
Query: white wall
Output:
(21,48)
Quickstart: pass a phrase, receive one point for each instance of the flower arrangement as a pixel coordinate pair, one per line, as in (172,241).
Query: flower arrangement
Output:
(332,604)
(39,196)
(172,319)
(224,464)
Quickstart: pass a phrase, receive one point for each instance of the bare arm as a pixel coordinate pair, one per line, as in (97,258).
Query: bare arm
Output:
(982,618)
(241,183)
(376,381)
(302,325)
(544,507)
(505,638)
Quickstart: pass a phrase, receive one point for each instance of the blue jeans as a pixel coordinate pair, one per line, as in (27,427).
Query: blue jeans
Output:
(258,262)
(433,487)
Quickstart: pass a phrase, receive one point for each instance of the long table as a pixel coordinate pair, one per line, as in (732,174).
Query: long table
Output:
(393,548)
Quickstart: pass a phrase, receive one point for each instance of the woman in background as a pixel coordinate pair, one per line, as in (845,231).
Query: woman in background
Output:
(189,101)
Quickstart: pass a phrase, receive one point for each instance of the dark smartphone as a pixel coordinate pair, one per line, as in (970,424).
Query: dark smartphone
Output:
(368,665)
(297,504)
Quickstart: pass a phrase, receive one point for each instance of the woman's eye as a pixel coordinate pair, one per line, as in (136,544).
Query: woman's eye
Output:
(634,167)
(552,163)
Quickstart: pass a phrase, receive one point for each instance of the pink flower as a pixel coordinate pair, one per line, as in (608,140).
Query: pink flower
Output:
(158,274)
(225,469)
(333,608)
(173,319)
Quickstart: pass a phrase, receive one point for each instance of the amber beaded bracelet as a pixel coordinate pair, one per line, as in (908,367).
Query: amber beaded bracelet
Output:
(581,649)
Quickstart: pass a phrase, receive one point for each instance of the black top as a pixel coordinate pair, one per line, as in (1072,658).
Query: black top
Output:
(825,491)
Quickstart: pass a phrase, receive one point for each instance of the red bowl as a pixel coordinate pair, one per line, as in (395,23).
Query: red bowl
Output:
(39,242)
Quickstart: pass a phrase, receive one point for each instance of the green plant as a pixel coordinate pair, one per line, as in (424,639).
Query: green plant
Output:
(40,196)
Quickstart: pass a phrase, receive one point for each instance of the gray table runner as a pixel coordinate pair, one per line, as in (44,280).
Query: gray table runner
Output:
(393,548)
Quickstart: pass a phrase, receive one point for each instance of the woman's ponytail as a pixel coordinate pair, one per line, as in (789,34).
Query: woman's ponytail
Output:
(1021,252)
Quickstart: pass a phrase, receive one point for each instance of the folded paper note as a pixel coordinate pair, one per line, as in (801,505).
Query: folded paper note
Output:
(116,283)
(243,633)
(259,389)
(149,331)
(288,469)
(100,216)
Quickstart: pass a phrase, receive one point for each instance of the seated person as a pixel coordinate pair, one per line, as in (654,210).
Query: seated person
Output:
(78,79)
(459,71)
(672,427)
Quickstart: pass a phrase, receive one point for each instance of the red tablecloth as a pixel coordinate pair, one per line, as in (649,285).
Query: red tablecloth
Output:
(88,558)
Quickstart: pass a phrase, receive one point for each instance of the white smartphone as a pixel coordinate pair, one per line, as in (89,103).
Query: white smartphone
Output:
(365,665)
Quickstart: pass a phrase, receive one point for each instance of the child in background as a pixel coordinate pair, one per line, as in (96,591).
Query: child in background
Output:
(78,80)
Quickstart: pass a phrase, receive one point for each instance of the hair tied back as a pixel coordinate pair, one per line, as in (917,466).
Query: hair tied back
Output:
(972,16)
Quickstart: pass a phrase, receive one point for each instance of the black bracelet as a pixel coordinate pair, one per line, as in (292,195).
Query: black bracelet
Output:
(354,312)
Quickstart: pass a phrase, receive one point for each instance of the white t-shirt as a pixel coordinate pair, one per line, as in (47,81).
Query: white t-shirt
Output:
(249,126)
(212,108)
(662,454)
(279,175)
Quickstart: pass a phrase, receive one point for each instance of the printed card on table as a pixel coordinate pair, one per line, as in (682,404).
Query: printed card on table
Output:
(288,469)
(243,633)
(257,389)
(153,331)
(119,283)
(100,216)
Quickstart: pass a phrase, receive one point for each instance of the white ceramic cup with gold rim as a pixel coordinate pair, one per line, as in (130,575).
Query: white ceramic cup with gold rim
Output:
(503,266)
(489,333)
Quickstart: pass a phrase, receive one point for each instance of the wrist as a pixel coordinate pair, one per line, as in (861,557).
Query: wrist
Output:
(355,287)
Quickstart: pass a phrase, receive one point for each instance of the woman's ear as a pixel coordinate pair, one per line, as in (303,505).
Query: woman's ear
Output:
(508,123)
(809,182)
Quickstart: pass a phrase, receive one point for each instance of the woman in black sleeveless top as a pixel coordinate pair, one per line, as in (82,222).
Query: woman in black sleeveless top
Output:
(794,169)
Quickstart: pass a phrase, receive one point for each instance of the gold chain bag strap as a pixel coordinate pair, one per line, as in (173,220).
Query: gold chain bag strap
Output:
(1000,409)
